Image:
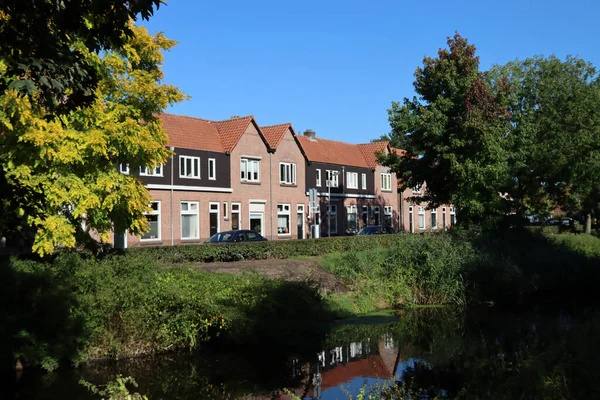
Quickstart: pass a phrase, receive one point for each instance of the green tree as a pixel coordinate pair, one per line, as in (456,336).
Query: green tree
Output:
(555,140)
(61,167)
(453,132)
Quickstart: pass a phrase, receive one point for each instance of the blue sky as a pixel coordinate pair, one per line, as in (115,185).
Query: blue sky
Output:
(336,66)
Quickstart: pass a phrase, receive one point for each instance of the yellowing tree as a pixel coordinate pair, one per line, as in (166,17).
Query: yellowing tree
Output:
(59,172)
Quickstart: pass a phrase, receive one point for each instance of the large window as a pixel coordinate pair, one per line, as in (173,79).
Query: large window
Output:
(352,219)
(388,212)
(364,181)
(250,170)
(421,217)
(153,222)
(212,169)
(283,219)
(386,181)
(332,218)
(352,180)
(157,171)
(434,218)
(287,173)
(332,178)
(452,216)
(189,220)
(189,167)
(235,216)
(318,177)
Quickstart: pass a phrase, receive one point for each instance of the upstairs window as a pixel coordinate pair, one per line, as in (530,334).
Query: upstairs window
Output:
(364,181)
(287,173)
(157,171)
(352,180)
(250,170)
(212,169)
(124,168)
(189,167)
(386,182)
(332,178)
(319,177)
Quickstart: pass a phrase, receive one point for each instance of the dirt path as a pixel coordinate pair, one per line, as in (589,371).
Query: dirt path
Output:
(292,270)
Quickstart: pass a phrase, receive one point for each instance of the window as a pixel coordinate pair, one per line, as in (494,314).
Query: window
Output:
(189,167)
(417,188)
(386,181)
(444,218)
(332,178)
(352,219)
(157,171)
(283,219)
(235,216)
(332,218)
(287,173)
(212,169)
(214,218)
(364,181)
(300,220)
(434,218)
(225,210)
(375,216)
(154,222)
(352,180)
(388,212)
(411,223)
(452,216)
(421,217)
(365,215)
(124,168)
(250,170)
(318,177)
(189,220)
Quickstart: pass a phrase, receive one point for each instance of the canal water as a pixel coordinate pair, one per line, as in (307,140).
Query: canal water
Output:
(534,354)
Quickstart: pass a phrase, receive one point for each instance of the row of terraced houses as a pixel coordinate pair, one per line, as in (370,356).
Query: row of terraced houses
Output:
(235,174)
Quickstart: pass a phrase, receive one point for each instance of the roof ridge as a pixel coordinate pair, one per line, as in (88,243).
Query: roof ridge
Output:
(276,125)
(186,116)
(251,116)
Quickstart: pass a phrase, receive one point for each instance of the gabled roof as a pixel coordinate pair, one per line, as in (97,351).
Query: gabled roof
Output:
(369,151)
(332,152)
(191,133)
(231,130)
(274,133)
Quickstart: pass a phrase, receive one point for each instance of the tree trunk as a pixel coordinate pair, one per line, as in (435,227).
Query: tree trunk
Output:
(588,223)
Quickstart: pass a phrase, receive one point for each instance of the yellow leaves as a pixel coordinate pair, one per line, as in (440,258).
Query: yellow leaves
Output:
(53,231)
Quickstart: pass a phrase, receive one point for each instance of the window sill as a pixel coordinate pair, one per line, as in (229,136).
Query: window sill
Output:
(387,190)
(150,241)
(188,240)
(284,234)
(190,177)
(251,183)
(288,184)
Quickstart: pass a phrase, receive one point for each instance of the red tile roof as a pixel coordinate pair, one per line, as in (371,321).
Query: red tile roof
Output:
(191,133)
(332,152)
(274,133)
(231,130)
(369,151)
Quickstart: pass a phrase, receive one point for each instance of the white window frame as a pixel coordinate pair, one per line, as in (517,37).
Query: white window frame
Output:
(365,211)
(225,211)
(331,213)
(444,225)
(300,210)
(411,219)
(155,212)
(333,178)
(433,212)
(375,210)
(417,188)
(352,210)
(364,181)
(238,212)
(124,170)
(318,182)
(452,214)
(183,172)
(386,181)
(352,180)
(189,212)
(145,171)
(245,162)
(388,211)
(218,212)
(212,163)
(289,173)
(421,212)
(284,209)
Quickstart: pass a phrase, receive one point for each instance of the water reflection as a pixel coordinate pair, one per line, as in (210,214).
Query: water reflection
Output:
(427,353)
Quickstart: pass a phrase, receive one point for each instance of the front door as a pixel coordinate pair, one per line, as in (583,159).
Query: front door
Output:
(257,222)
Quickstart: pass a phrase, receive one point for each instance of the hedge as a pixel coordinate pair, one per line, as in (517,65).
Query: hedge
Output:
(267,250)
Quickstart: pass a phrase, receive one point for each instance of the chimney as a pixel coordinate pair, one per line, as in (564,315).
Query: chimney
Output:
(310,134)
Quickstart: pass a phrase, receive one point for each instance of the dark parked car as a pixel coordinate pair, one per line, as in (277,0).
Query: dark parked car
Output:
(235,237)
(376,230)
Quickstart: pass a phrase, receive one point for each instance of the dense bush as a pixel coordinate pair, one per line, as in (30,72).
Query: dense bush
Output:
(265,250)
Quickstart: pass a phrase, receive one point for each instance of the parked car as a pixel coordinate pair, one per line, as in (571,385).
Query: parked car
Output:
(376,230)
(235,237)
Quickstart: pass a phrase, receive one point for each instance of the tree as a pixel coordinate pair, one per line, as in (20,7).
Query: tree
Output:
(453,133)
(61,167)
(555,140)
